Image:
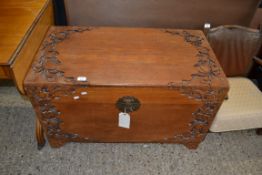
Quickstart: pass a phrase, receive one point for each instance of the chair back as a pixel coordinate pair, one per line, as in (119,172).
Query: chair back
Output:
(235,47)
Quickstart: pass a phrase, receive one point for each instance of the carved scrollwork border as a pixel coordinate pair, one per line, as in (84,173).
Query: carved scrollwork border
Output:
(41,98)
(49,54)
(207,71)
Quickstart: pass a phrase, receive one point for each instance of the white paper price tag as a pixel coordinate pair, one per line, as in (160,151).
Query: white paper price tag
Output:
(81,78)
(124,120)
(207,25)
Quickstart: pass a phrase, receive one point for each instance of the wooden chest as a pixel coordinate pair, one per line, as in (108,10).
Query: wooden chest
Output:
(107,84)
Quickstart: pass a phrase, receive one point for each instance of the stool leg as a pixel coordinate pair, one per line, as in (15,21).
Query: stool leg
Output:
(39,135)
(259,131)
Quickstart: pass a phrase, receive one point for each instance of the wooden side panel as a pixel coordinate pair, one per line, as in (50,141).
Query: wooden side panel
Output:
(5,72)
(25,56)
(167,13)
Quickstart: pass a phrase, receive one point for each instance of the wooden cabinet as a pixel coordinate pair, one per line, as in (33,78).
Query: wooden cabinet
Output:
(23,24)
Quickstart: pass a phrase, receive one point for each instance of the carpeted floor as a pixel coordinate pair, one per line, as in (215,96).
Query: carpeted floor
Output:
(231,153)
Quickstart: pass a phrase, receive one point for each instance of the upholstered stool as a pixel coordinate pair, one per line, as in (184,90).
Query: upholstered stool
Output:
(242,109)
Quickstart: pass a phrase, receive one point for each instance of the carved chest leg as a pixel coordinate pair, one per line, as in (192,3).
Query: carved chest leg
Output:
(259,131)
(191,145)
(56,143)
(39,135)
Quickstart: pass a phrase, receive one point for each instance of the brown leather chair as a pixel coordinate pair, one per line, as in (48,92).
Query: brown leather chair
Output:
(235,48)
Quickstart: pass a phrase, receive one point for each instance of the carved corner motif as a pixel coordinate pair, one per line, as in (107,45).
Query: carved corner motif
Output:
(49,115)
(207,71)
(42,97)
(49,54)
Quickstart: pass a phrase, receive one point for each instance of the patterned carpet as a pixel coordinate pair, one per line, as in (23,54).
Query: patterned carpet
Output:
(229,153)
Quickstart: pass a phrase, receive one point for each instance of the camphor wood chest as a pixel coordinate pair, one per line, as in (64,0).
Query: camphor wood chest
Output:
(84,79)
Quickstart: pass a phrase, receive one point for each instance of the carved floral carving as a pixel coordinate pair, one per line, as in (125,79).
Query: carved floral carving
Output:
(207,71)
(41,98)
(49,54)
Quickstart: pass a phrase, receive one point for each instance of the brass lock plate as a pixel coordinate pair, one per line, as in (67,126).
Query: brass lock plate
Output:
(128,104)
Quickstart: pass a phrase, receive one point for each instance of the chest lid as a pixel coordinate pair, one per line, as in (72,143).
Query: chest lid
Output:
(124,57)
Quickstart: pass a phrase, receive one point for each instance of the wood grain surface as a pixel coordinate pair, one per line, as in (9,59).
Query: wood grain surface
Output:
(95,116)
(23,26)
(123,56)
(16,18)
(25,56)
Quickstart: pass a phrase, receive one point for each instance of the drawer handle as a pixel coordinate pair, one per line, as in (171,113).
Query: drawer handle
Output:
(128,104)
